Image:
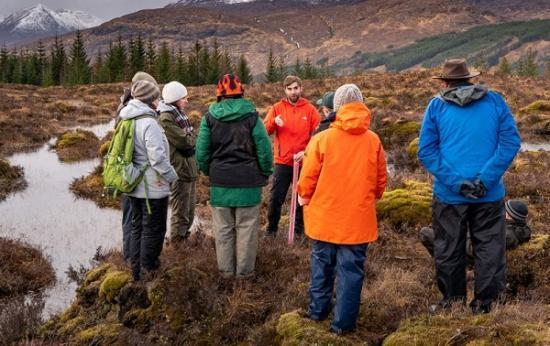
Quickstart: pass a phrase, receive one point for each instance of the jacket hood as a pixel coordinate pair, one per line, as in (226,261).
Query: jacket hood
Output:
(165,107)
(231,109)
(464,95)
(353,118)
(134,109)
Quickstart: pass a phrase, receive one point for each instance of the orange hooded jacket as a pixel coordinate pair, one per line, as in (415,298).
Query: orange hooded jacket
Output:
(300,121)
(343,175)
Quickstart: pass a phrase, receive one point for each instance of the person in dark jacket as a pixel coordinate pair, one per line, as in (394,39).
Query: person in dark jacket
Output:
(126,210)
(234,150)
(326,106)
(179,132)
(467,141)
(517,231)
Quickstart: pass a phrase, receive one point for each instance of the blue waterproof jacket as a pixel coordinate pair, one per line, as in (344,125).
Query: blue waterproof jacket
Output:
(468,132)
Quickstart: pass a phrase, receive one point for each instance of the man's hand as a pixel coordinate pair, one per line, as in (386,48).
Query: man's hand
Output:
(303,201)
(299,156)
(481,190)
(279,121)
(468,189)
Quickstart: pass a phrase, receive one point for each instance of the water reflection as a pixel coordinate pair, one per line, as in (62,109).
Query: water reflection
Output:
(48,215)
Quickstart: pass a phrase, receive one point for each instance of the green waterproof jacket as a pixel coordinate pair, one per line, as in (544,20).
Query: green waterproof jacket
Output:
(185,166)
(229,110)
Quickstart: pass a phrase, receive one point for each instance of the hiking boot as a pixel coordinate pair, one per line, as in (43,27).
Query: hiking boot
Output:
(480,308)
(441,306)
(340,331)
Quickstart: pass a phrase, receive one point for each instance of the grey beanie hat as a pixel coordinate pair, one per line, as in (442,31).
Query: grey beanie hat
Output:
(144,76)
(145,91)
(517,210)
(347,93)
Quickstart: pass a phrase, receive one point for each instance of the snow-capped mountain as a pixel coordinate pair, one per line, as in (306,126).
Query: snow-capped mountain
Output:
(216,3)
(40,21)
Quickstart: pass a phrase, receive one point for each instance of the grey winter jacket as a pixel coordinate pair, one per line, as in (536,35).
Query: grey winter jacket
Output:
(150,145)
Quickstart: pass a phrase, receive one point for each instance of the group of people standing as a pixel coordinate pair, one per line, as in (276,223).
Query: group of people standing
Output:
(467,141)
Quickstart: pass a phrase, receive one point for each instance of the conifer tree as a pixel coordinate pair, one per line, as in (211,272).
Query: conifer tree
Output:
(58,62)
(137,54)
(79,66)
(214,70)
(150,57)
(163,64)
(298,69)
(527,66)
(310,72)
(504,67)
(226,64)
(243,71)
(271,72)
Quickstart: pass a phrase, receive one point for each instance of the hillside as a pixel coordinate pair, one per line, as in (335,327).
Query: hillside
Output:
(332,30)
(487,43)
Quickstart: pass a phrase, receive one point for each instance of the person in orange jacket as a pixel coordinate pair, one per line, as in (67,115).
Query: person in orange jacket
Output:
(292,120)
(343,175)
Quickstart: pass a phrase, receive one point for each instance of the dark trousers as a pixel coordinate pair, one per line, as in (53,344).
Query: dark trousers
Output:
(486,224)
(346,264)
(148,231)
(126,226)
(282,180)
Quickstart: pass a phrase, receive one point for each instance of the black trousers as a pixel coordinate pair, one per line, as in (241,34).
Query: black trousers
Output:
(486,224)
(126,226)
(148,231)
(282,180)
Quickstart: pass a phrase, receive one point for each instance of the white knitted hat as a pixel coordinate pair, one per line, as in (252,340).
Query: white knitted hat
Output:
(347,93)
(173,92)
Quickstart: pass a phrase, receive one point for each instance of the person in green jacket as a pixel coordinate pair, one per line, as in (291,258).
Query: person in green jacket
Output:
(234,151)
(179,132)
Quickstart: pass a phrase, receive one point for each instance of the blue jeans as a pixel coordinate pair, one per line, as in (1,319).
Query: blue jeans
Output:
(346,264)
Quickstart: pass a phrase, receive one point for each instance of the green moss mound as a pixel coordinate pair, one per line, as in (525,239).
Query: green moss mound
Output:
(410,205)
(510,326)
(76,145)
(112,284)
(537,106)
(296,329)
(103,334)
(412,150)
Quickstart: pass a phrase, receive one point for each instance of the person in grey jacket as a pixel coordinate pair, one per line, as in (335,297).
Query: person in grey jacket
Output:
(149,200)
(126,208)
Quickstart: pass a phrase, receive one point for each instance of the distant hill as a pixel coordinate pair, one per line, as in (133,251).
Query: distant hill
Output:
(485,43)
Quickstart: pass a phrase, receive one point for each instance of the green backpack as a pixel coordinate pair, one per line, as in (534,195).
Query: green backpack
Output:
(119,173)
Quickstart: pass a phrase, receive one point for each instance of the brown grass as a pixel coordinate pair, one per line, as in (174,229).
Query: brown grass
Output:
(24,268)
(91,187)
(12,179)
(77,145)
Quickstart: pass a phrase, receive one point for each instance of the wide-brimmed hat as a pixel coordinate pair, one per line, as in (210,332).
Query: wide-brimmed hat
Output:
(456,69)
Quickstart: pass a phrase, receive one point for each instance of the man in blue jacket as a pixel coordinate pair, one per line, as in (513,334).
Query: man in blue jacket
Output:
(467,141)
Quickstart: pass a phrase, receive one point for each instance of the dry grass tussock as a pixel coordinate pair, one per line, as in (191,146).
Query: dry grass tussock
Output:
(24,268)
(12,179)
(76,145)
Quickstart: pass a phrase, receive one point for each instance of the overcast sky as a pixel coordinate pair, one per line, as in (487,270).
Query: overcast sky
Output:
(104,9)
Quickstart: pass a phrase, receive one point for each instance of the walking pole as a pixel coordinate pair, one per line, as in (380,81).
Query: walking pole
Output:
(293,201)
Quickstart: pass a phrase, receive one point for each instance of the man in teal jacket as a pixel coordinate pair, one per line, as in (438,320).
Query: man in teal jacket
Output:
(234,150)
(467,141)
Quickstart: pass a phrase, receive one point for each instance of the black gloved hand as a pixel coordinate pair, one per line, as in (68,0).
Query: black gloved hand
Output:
(481,190)
(468,189)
